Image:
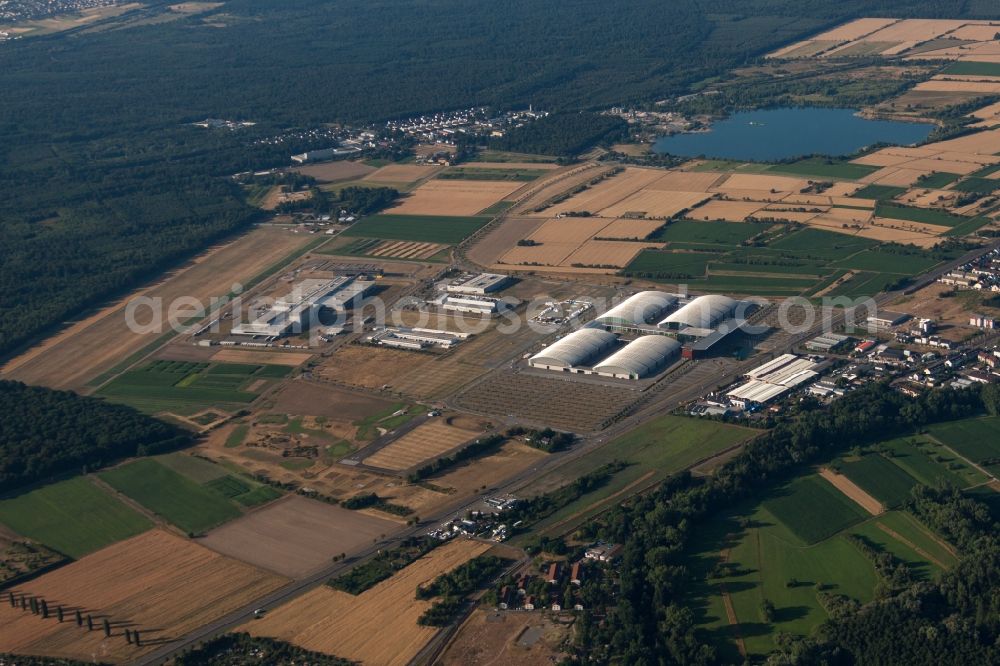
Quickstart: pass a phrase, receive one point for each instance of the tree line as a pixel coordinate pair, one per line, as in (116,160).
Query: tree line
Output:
(44,433)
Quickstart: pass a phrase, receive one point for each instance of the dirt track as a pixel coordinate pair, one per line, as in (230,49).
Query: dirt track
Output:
(849,488)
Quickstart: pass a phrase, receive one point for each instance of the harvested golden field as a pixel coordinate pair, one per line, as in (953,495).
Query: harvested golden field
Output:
(369,366)
(982,143)
(625,229)
(915,30)
(488,249)
(401,173)
(454,197)
(495,468)
(377,627)
(856,29)
(295,536)
(896,176)
(739,182)
(928,198)
(734,211)
(548,254)
(88,347)
(334,171)
(897,236)
(607,192)
(422,444)
(157,583)
(687,181)
(656,203)
(906,225)
(290,359)
(977,33)
(603,253)
(569,230)
(938,85)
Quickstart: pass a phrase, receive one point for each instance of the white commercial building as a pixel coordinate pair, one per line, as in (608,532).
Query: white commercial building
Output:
(479,284)
(576,349)
(293,312)
(640,358)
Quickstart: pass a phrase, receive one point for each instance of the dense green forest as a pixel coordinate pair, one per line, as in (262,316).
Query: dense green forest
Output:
(563,134)
(45,432)
(651,623)
(104,187)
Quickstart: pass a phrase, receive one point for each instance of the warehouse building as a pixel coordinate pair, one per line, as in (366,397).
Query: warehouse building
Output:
(482,305)
(478,284)
(884,320)
(773,380)
(293,312)
(577,349)
(704,312)
(640,358)
(637,312)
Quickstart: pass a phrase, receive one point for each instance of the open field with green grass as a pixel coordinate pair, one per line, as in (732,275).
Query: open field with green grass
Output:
(970,68)
(423,228)
(176,498)
(660,265)
(813,509)
(880,192)
(937,180)
(889,262)
(864,284)
(722,233)
(819,244)
(754,556)
(982,186)
(74,517)
(925,215)
(172,385)
(881,479)
(654,451)
(976,439)
(930,463)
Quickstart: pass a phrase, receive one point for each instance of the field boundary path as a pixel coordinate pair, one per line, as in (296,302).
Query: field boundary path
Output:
(917,549)
(853,491)
(727,601)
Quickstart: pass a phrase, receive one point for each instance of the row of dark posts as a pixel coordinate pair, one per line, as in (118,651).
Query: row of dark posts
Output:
(38,606)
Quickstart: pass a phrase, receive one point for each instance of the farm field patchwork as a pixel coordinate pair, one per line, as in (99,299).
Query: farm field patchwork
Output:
(176,498)
(976,439)
(931,464)
(379,626)
(162,386)
(73,517)
(158,584)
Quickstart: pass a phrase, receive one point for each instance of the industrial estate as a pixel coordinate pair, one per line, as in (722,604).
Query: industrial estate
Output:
(437,431)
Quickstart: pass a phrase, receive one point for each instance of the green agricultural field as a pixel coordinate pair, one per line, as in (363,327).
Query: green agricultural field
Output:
(755,286)
(880,192)
(421,228)
(660,265)
(728,234)
(814,510)
(73,517)
(917,456)
(924,215)
(904,536)
(889,262)
(497,208)
(819,244)
(520,175)
(880,478)
(654,451)
(172,385)
(822,168)
(970,225)
(237,436)
(810,270)
(969,68)
(865,284)
(765,560)
(982,186)
(197,469)
(937,180)
(177,498)
(976,439)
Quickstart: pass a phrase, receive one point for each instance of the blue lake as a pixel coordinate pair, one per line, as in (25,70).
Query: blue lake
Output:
(778,134)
